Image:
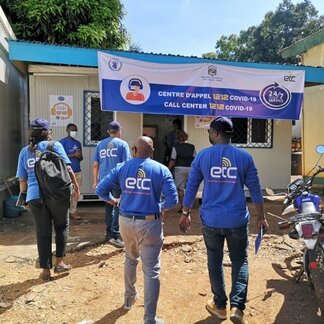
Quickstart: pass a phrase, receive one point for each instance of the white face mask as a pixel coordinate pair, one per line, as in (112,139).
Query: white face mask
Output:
(73,134)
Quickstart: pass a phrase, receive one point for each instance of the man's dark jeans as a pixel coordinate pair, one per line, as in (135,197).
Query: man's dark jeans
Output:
(46,214)
(237,243)
(112,218)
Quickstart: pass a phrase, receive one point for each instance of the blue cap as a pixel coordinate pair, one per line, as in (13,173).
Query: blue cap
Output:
(114,126)
(222,124)
(40,123)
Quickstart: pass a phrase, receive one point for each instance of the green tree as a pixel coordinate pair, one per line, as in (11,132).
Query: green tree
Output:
(87,23)
(210,55)
(135,47)
(281,28)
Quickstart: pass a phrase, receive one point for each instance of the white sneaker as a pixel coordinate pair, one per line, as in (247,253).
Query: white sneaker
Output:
(117,243)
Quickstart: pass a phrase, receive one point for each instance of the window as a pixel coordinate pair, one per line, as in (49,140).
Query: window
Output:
(252,132)
(95,120)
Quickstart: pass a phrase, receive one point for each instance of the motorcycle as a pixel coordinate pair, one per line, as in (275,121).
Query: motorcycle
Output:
(307,224)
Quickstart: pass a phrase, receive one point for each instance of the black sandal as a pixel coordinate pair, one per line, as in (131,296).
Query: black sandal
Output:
(62,268)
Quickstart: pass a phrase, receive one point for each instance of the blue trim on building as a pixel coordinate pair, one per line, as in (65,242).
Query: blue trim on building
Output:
(79,56)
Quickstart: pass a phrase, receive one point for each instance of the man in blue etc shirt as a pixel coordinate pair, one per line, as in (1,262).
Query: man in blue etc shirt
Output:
(142,181)
(109,152)
(225,170)
(73,150)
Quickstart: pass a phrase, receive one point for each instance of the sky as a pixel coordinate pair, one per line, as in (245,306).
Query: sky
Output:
(192,27)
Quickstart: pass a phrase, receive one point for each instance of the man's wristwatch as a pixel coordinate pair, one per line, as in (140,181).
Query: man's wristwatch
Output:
(186,212)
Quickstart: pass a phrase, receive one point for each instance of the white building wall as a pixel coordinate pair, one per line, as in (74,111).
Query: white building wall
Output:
(313,114)
(13,109)
(47,81)
(41,87)
(131,126)
(274,164)
(313,134)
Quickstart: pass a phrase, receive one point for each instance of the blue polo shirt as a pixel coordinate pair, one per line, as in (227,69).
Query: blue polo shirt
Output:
(225,169)
(142,181)
(26,166)
(71,145)
(109,153)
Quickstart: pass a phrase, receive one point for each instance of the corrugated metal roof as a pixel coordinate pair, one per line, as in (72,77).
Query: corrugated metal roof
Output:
(44,53)
(303,45)
(73,47)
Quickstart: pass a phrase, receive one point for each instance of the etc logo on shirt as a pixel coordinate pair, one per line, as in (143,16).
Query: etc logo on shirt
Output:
(31,161)
(140,182)
(110,151)
(226,171)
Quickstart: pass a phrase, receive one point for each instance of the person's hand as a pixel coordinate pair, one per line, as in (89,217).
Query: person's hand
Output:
(163,213)
(184,223)
(114,202)
(117,202)
(262,222)
(78,154)
(111,202)
(95,184)
(76,192)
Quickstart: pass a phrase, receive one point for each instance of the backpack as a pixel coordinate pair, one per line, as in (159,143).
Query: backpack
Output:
(52,175)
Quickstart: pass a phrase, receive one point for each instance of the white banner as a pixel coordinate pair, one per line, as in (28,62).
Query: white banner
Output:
(203,89)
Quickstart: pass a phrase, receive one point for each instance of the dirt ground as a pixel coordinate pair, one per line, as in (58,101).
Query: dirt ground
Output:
(93,291)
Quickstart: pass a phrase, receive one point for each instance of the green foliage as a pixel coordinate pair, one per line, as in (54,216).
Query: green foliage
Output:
(88,23)
(135,47)
(281,28)
(210,55)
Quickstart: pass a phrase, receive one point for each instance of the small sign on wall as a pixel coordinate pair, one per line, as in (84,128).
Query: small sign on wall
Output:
(203,121)
(61,110)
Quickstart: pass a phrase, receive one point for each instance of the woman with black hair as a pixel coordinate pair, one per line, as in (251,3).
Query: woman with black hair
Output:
(46,212)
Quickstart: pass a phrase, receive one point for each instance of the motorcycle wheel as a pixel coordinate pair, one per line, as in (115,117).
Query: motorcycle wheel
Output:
(317,275)
(307,258)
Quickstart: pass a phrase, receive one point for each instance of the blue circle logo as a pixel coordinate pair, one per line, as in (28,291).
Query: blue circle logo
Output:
(115,64)
(135,89)
(275,97)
